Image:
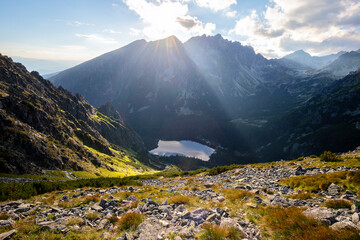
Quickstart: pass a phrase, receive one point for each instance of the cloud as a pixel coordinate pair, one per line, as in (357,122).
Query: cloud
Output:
(78,24)
(162,18)
(215,5)
(114,4)
(96,38)
(111,31)
(231,14)
(314,26)
(188,22)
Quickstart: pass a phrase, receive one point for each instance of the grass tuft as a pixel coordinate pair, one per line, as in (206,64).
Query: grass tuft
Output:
(337,204)
(216,232)
(130,221)
(179,200)
(292,224)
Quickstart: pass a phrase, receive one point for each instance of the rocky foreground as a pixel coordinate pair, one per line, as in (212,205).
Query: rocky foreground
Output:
(178,208)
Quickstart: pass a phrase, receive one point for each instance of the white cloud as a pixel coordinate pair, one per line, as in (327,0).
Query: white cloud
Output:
(215,5)
(231,14)
(78,24)
(114,4)
(107,30)
(96,38)
(315,26)
(163,18)
(135,32)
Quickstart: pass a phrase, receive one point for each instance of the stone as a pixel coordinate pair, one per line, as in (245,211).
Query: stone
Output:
(65,198)
(6,223)
(102,224)
(333,189)
(127,236)
(221,198)
(257,199)
(343,225)
(208,185)
(251,205)
(355,218)
(321,213)
(103,203)
(7,235)
(105,235)
(97,207)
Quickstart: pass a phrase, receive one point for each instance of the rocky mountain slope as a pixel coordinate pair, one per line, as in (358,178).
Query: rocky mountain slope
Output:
(44,127)
(330,120)
(305,199)
(344,64)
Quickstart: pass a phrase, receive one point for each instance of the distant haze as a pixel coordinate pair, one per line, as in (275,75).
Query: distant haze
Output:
(45,66)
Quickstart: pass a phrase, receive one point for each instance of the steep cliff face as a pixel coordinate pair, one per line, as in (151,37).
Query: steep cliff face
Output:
(44,127)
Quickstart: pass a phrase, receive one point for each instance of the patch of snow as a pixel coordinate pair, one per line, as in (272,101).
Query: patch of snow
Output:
(143,108)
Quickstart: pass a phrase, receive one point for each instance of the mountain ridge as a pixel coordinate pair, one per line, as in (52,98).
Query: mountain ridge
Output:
(44,127)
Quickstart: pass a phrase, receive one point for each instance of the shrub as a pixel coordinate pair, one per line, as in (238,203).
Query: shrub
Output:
(328,156)
(92,215)
(130,221)
(291,223)
(74,221)
(4,216)
(179,200)
(302,196)
(313,183)
(235,194)
(216,232)
(337,204)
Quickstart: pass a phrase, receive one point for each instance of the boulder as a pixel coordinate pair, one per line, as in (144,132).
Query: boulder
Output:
(7,235)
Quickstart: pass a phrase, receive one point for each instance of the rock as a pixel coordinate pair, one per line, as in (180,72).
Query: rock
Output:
(355,206)
(228,222)
(103,203)
(251,205)
(7,235)
(221,198)
(257,199)
(333,189)
(6,223)
(187,233)
(97,207)
(321,213)
(105,235)
(149,229)
(65,198)
(132,198)
(102,224)
(127,236)
(131,189)
(208,185)
(23,208)
(343,225)
(355,218)
(299,171)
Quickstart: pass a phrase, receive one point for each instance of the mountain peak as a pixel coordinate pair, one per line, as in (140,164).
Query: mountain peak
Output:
(300,53)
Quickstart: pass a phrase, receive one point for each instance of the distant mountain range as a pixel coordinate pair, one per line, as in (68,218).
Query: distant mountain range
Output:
(44,127)
(207,89)
(304,58)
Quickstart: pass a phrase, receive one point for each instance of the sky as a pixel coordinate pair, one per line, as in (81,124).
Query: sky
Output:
(72,31)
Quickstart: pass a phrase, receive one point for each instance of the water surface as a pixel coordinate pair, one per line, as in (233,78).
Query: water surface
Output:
(183,148)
